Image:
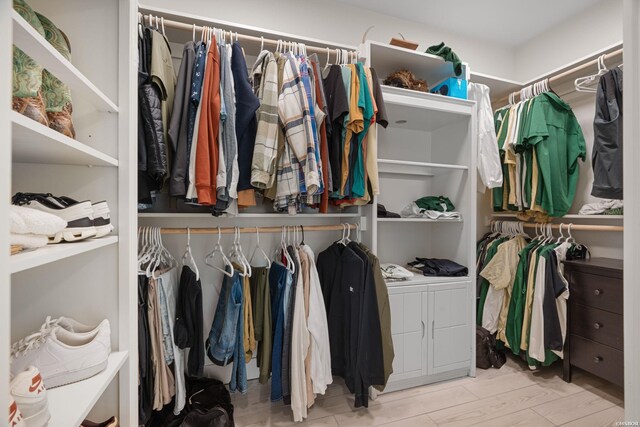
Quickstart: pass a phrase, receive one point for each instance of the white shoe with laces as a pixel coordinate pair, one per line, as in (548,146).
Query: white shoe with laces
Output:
(63,357)
(30,394)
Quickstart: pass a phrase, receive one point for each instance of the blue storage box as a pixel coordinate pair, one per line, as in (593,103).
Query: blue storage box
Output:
(456,88)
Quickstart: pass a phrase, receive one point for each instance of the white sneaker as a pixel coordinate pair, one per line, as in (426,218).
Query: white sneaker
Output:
(63,357)
(15,416)
(79,216)
(29,392)
(102,219)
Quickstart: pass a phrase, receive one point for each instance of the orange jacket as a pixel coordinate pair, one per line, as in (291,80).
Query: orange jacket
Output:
(208,127)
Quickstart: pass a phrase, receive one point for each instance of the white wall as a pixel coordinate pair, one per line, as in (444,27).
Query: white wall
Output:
(593,29)
(330,20)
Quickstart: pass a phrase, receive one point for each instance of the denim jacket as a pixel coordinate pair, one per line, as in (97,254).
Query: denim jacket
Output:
(221,343)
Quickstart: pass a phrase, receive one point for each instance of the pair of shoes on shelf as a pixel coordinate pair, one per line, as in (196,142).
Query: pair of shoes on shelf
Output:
(111,422)
(38,94)
(84,219)
(28,405)
(64,351)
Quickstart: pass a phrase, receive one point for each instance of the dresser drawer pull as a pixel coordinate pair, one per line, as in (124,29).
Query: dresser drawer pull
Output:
(597,359)
(597,325)
(597,292)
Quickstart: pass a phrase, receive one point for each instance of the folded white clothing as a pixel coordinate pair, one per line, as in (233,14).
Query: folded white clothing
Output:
(395,271)
(597,208)
(413,211)
(28,241)
(25,220)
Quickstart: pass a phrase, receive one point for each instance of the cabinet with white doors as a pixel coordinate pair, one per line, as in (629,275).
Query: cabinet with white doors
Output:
(430,327)
(427,149)
(90,280)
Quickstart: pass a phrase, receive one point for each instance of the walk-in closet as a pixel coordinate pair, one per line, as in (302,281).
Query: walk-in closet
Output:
(338,213)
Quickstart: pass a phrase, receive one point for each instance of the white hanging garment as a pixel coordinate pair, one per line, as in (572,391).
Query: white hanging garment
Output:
(489,167)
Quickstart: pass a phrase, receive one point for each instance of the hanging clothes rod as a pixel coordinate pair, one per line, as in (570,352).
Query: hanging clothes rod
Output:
(252,230)
(570,74)
(263,41)
(578,227)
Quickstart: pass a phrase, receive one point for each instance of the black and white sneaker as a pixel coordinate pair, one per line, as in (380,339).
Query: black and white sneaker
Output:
(101,213)
(79,215)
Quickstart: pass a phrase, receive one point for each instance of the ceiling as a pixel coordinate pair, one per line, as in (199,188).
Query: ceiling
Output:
(499,21)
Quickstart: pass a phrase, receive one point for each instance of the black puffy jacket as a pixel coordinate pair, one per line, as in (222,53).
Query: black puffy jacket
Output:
(151,115)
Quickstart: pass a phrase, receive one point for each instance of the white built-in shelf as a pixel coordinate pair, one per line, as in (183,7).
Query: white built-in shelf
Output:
(246,215)
(424,112)
(36,143)
(70,404)
(407,167)
(55,252)
(570,216)
(427,220)
(386,59)
(499,87)
(427,280)
(38,48)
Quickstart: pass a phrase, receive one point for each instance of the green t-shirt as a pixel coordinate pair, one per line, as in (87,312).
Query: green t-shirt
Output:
(501,121)
(366,103)
(555,134)
(518,299)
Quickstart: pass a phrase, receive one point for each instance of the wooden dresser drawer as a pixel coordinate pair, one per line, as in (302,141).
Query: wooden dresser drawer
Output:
(596,291)
(599,359)
(597,325)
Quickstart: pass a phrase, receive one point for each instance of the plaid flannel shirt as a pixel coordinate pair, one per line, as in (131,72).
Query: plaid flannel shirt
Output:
(264,76)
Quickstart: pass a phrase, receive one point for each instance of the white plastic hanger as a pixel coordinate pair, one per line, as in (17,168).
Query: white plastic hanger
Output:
(194,33)
(258,248)
(188,256)
(261,43)
(225,261)
(290,264)
(583,84)
(244,259)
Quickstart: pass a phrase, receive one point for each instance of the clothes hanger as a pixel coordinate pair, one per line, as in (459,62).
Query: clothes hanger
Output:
(261,43)
(245,261)
(234,253)
(188,256)
(302,229)
(162,25)
(582,84)
(218,249)
(258,248)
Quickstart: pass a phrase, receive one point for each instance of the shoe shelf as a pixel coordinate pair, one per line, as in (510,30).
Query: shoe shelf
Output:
(36,143)
(70,404)
(34,45)
(428,220)
(56,252)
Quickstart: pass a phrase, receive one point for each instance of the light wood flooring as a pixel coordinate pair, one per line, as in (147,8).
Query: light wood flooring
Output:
(510,396)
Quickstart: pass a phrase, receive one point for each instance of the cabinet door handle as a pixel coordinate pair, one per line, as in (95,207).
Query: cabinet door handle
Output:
(598,292)
(423,328)
(597,325)
(597,359)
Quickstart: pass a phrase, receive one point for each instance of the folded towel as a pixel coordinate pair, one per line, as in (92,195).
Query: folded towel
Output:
(28,241)
(32,221)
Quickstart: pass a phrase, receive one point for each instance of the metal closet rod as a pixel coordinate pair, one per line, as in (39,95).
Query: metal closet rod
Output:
(561,77)
(575,227)
(245,37)
(252,230)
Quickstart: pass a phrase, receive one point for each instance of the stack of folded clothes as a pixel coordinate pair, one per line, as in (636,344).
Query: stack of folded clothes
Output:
(439,267)
(31,228)
(431,207)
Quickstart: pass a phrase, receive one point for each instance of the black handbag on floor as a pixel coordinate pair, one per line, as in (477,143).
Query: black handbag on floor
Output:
(486,353)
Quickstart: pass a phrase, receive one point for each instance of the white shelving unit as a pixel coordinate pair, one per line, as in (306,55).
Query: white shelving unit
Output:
(52,253)
(36,143)
(428,149)
(69,405)
(92,279)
